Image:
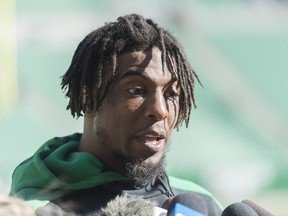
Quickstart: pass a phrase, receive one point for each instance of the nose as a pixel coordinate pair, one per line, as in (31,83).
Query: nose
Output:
(156,107)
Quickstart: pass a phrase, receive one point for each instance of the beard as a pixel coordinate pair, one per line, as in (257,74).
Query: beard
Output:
(139,169)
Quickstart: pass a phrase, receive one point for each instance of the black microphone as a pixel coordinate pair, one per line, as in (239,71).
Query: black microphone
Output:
(260,210)
(245,208)
(187,204)
(239,209)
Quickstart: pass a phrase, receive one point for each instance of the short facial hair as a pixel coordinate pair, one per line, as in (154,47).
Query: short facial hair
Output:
(138,168)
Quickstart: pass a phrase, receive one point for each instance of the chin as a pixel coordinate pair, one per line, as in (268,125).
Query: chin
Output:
(140,168)
(145,169)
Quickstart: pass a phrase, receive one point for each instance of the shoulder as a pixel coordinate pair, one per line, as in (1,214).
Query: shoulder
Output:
(183,185)
(188,185)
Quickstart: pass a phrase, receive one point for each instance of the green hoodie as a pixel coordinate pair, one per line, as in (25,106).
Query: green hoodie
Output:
(58,168)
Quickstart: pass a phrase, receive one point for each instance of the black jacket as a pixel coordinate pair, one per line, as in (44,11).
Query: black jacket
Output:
(90,201)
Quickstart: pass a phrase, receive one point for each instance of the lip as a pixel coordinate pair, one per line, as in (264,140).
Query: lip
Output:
(152,141)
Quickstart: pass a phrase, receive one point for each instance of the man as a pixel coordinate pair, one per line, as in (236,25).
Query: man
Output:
(133,84)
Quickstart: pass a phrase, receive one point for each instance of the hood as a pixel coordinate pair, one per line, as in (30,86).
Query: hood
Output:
(57,169)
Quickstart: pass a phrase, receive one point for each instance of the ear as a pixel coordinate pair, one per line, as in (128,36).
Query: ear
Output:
(88,103)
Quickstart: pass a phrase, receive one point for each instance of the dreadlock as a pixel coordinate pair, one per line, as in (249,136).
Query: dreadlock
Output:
(91,71)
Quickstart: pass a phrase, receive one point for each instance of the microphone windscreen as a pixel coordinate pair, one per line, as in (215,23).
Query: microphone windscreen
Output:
(13,206)
(191,201)
(260,210)
(239,209)
(128,205)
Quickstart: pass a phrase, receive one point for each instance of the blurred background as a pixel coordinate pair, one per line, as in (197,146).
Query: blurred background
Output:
(237,143)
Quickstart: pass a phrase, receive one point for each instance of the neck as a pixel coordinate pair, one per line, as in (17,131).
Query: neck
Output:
(88,141)
(91,142)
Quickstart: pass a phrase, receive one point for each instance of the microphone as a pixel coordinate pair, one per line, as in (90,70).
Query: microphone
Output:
(13,206)
(182,210)
(260,210)
(184,204)
(245,208)
(239,209)
(187,204)
(128,205)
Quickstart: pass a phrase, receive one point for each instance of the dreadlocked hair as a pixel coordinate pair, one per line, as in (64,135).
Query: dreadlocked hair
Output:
(94,64)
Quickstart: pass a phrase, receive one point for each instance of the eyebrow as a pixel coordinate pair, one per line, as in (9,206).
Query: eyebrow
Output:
(136,73)
(142,74)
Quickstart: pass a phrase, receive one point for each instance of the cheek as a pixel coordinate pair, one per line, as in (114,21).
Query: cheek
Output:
(121,112)
(133,105)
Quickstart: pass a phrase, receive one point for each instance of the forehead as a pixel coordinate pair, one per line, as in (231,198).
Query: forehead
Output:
(148,61)
(140,58)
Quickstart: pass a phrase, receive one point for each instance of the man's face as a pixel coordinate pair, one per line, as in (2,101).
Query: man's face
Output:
(138,114)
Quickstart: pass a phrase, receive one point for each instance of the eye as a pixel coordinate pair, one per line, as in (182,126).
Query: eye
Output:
(136,91)
(172,92)
(172,95)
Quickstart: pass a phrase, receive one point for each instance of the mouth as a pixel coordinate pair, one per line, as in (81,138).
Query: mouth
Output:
(151,141)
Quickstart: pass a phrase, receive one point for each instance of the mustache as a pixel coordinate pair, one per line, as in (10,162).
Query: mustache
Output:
(159,129)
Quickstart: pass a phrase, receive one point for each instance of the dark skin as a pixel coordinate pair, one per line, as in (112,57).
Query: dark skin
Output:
(138,114)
